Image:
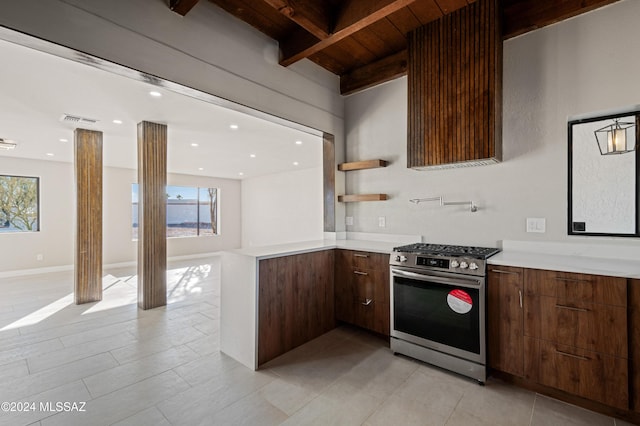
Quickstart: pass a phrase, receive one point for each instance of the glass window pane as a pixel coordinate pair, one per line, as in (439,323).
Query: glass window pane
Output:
(189,211)
(182,211)
(208,210)
(19,198)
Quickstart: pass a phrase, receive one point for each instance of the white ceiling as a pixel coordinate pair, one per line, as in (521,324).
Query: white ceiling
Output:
(37,88)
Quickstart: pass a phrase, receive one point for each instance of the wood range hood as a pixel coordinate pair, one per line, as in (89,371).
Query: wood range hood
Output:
(455,89)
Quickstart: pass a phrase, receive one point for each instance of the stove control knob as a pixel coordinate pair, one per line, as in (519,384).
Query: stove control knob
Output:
(454,264)
(463,265)
(473,266)
(403,258)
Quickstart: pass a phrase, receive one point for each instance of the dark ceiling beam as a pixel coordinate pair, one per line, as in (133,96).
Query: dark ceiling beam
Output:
(312,15)
(385,69)
(353,16)
(182,7)
(522,16)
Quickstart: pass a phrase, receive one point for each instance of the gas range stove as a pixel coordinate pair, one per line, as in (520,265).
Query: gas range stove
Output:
(466,260)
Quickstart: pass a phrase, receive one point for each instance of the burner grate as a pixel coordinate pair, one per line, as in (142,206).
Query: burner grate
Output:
(448,250)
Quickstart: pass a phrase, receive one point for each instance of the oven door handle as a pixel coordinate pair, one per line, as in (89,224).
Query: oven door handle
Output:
(437,279)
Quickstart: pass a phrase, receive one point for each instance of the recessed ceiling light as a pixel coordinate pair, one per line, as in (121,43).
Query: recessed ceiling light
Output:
(195,145)
(233,126)
(49,154)
(200,168)
(241,174)
(252,155)
(117,121)
(295,163)
(64,140)
(155,94)
(298,142)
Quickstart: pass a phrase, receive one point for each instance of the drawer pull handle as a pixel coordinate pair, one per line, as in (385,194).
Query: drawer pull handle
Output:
(572,280)
(360,273)
(520,296)
(367,302)
(571,308)
(580,357)
(361,255)
(500,271)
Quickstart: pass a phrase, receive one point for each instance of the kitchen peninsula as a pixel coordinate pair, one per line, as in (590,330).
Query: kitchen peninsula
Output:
(305,281)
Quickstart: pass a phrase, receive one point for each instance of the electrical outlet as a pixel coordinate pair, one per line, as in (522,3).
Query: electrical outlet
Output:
(348,220)
(382,221)
(39,257)
(536,224)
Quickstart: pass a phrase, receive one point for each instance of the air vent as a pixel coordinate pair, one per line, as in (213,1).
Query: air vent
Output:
(77,120)
(7,144)
(459,165)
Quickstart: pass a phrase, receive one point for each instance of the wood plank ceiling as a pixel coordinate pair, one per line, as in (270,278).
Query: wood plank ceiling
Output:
(365,41)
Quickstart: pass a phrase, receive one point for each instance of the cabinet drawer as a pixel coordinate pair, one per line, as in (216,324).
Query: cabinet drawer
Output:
(371,285)
(375,317)
(576,287)
(368,260)
(592,375)
(591,326)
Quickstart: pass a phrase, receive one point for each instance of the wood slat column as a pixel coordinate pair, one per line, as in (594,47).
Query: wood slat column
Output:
(88,249)
(329,181)
(152,215)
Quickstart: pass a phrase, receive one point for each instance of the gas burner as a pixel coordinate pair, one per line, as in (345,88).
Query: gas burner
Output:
(447,250)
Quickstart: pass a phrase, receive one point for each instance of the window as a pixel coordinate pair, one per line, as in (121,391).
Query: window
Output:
(19,204)
(190,211)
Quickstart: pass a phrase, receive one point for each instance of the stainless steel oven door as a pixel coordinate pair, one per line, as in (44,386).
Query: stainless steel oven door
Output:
(441,311)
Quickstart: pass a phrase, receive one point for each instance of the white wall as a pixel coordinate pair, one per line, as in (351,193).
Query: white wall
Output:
(282,208)
(583,65)
(55,241)
(56,237)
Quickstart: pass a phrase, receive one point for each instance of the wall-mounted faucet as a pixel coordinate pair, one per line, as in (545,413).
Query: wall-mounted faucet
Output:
(471,204)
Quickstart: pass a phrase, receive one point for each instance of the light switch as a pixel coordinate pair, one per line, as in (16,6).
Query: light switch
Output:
(536,224)
(382,221)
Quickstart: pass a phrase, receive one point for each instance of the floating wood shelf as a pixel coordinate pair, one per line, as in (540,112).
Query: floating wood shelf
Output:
(361,197)
(360,165)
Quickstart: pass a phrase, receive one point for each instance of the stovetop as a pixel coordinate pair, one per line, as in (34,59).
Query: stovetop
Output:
(448,250)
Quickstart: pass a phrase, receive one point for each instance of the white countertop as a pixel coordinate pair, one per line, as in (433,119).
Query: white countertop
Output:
(279,250)
(628,268)
(585,259)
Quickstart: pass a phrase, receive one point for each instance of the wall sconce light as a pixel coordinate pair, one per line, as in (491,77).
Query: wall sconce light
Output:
(614,139)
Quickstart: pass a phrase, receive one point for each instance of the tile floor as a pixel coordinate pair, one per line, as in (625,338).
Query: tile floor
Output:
(163,367)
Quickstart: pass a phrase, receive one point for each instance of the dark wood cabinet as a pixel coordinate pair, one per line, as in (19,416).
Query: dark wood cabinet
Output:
(362,289)
(570,335)
(634,344)
(505,293)
(295,301)
(576,334)
(592,375)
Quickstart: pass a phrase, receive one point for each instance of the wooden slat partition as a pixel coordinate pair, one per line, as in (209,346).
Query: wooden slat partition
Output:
(455,87)
(329,181)
(152,215)
(88,249)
